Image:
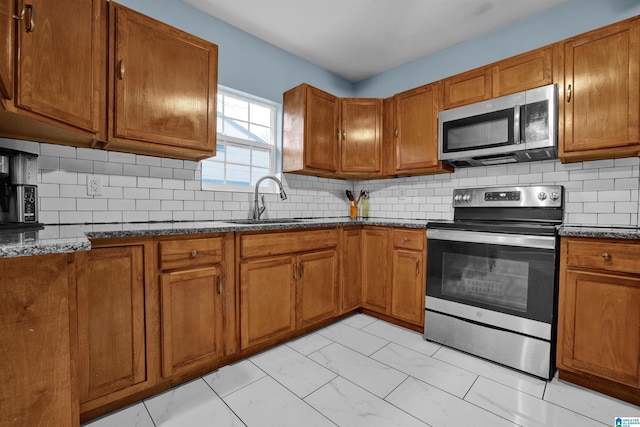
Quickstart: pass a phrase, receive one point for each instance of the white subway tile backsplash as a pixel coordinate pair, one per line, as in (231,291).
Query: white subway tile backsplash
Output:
(145,188)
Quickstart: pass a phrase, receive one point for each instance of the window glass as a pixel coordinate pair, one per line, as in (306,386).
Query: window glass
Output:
(246,140)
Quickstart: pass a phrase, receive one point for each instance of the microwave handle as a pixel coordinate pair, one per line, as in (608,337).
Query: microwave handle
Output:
(516,124)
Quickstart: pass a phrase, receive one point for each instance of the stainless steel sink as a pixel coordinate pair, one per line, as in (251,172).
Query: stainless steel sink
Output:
(264,221)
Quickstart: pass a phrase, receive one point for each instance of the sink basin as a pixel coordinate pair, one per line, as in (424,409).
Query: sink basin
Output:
(264,221)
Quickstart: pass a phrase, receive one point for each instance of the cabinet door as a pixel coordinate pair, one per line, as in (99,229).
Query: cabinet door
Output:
(351,297)
(321,134)
(35,368)
(599,321)
(267,300)
(60,61)
(165,84)
(375,269)
(6,48)
(111,320)
(408,286)
(467,88)
(416,133)
(317,287)
(191,312)
(523,72)
(361,136)
(601,93)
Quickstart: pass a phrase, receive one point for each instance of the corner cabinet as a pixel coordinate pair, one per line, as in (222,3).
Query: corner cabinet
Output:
(196,274)
(332,137)
(288,283)
(310,131)
(351,288)
(599,316)
(600,94)
(361,137)
(164,84)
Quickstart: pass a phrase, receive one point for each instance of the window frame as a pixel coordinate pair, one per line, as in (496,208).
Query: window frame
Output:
(275,148)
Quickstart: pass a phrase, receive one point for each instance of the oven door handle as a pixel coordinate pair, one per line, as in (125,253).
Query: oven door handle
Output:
(521,240)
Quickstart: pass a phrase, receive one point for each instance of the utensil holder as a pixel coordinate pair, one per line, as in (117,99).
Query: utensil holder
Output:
(353,211)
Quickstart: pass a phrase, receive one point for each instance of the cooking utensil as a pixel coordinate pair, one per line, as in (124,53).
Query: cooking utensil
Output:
(350,195)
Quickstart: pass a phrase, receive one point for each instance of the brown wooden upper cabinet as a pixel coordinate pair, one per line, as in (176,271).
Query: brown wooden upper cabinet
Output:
(60,62)
(6,50)
(518,73)
(415,131)
(600,94)
(310,131)
(361,137)
(164,88)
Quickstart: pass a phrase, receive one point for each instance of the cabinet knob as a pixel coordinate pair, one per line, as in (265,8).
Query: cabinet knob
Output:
(405,239)
(606,256)
(194,253)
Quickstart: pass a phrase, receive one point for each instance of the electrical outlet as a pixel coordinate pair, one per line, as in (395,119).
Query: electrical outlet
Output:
(402,194)
(94,185)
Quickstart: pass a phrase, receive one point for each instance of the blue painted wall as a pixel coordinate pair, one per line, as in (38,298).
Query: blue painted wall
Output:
(251,65)
(245,63)
(563,21)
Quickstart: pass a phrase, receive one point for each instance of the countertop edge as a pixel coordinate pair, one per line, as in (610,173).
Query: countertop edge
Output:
(71,238)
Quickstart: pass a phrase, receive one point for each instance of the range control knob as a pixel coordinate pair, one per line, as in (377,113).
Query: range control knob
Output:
(542,196)
(457,198)
(554,196)
(466,198)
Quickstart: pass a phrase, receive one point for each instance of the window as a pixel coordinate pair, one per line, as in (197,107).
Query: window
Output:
(246,143)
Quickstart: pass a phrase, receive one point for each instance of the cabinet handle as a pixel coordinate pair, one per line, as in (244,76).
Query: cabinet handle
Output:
(301,269)
(194,253)
(568,94)
(344,134)
(395,133)
(295,271)
(606,256)
(220,285)
(30,26)
(405,239)
(337,134)
(121,70)
(417,267)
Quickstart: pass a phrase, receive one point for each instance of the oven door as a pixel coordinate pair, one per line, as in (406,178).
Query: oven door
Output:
(506,281)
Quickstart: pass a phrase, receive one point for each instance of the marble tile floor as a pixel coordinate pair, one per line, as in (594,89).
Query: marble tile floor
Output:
(365,372)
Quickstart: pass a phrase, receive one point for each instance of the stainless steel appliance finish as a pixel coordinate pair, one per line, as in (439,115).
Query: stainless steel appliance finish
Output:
(18,189)
(520,127)
(492,276)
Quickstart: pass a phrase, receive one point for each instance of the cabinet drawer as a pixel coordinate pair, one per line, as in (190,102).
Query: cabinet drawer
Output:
(190,252)
(266,244)
(409,239)
(604,255)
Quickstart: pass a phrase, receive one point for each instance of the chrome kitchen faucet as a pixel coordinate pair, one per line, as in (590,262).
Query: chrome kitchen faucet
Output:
(258,210)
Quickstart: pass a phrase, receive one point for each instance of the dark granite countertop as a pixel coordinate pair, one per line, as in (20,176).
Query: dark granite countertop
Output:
(600,232)
(51,239)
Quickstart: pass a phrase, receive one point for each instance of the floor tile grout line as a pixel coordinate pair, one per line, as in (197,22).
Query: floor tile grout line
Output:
(224,401)
(148,413)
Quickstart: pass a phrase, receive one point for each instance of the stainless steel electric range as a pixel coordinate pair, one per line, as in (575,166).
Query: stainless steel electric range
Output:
(492,279)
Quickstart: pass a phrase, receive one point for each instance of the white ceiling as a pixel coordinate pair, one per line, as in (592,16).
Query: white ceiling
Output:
(357,39)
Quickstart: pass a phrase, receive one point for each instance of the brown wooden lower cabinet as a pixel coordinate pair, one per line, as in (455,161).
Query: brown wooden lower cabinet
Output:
(288,282)
(114,290)
(351,288)
(599,316)
(393,273)
(35,364)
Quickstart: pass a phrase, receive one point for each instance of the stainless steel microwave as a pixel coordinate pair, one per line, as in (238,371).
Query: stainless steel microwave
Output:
(515,128)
